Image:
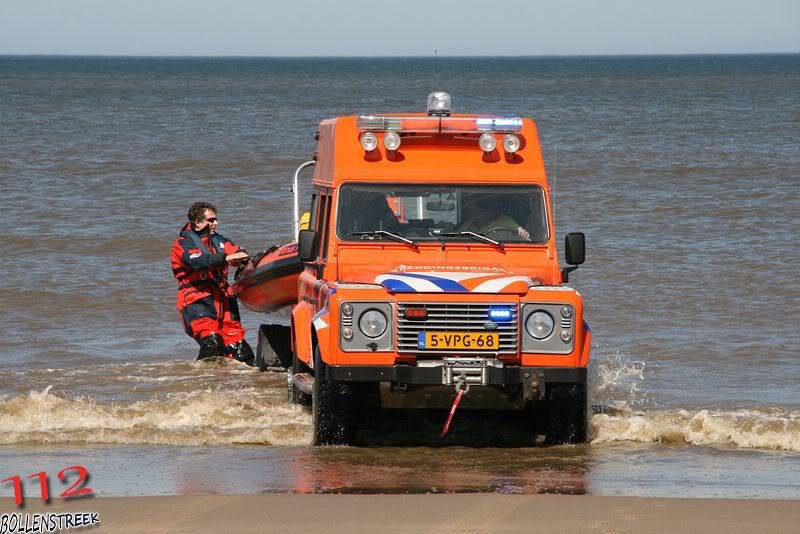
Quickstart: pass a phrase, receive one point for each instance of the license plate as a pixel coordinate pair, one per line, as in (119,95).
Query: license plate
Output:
(458,340)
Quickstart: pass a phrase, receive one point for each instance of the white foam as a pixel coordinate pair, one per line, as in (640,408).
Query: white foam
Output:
(616,383)
(212,417)
(617,388)
(770,429)
(225,414)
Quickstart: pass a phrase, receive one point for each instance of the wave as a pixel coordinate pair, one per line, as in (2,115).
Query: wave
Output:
(769,429)
(183,404)
(206,417)
(626,414)
(225,417)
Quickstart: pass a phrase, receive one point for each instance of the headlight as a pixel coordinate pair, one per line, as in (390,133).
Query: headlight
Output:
(373,323)
(549,327)
(539,324)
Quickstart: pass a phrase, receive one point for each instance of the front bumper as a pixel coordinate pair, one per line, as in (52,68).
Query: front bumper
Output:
(532,380)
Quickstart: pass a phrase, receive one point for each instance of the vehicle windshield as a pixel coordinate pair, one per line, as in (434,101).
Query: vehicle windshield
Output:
(455,212)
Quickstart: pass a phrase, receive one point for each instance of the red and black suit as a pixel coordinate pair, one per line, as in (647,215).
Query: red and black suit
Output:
(207,307)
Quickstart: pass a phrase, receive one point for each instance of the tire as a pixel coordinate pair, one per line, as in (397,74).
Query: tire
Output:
(262,360)
(566,415)
(260,363)
(293,394)
(332,408)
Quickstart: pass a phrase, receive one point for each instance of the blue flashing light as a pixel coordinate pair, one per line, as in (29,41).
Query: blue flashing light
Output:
(501,314)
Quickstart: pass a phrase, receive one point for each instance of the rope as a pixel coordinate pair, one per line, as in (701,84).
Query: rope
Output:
(452,412)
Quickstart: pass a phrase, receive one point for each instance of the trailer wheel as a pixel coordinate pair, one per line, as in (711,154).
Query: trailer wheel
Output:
(332,407)
(293,394)
(274,348)
(566,417)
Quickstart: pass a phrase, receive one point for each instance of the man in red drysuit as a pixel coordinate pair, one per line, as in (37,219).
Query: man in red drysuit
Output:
(208,309)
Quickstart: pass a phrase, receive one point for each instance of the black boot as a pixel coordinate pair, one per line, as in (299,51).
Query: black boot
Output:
(241,351)
(211,347)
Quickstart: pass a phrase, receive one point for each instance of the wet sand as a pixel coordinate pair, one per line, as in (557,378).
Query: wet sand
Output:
(425,513)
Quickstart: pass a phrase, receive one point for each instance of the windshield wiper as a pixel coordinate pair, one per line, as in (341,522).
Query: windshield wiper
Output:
(390,235)
(480,237)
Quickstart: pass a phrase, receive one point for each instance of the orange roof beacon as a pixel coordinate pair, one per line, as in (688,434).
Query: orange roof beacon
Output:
(430,272)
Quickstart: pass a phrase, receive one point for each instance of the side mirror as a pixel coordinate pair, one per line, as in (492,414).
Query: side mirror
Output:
(574,253)
(307,245)
(575,248)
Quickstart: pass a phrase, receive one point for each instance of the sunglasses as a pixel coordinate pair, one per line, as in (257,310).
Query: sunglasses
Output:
(211,220)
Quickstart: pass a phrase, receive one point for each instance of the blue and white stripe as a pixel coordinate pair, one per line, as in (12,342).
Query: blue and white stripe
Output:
(433,282)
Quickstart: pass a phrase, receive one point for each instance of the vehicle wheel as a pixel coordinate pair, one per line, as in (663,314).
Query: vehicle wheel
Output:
(566,413)
(332,407)
(294,395)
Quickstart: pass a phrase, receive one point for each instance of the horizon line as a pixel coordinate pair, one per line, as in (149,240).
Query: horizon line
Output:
(437,56)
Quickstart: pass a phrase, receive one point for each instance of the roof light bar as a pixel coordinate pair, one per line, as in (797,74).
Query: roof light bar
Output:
(433,124)
(500,124)
(381,123)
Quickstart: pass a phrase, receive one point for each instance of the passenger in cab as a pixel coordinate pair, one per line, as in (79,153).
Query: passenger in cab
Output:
(207,307)
(367,211)
(484,214)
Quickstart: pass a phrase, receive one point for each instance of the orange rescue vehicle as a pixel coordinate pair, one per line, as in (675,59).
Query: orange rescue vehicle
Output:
(431,271)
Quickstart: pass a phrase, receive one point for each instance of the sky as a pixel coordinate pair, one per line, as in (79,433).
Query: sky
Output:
(397,28)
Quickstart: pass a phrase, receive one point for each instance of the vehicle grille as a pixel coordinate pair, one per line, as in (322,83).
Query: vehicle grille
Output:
(455,317)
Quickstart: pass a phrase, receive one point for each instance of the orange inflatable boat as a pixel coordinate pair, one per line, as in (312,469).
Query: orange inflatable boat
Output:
(269,282)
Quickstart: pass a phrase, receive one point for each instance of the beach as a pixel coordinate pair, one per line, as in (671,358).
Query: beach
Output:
(428,513)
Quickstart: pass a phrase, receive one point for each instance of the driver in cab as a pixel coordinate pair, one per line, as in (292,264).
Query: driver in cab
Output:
(484,214)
